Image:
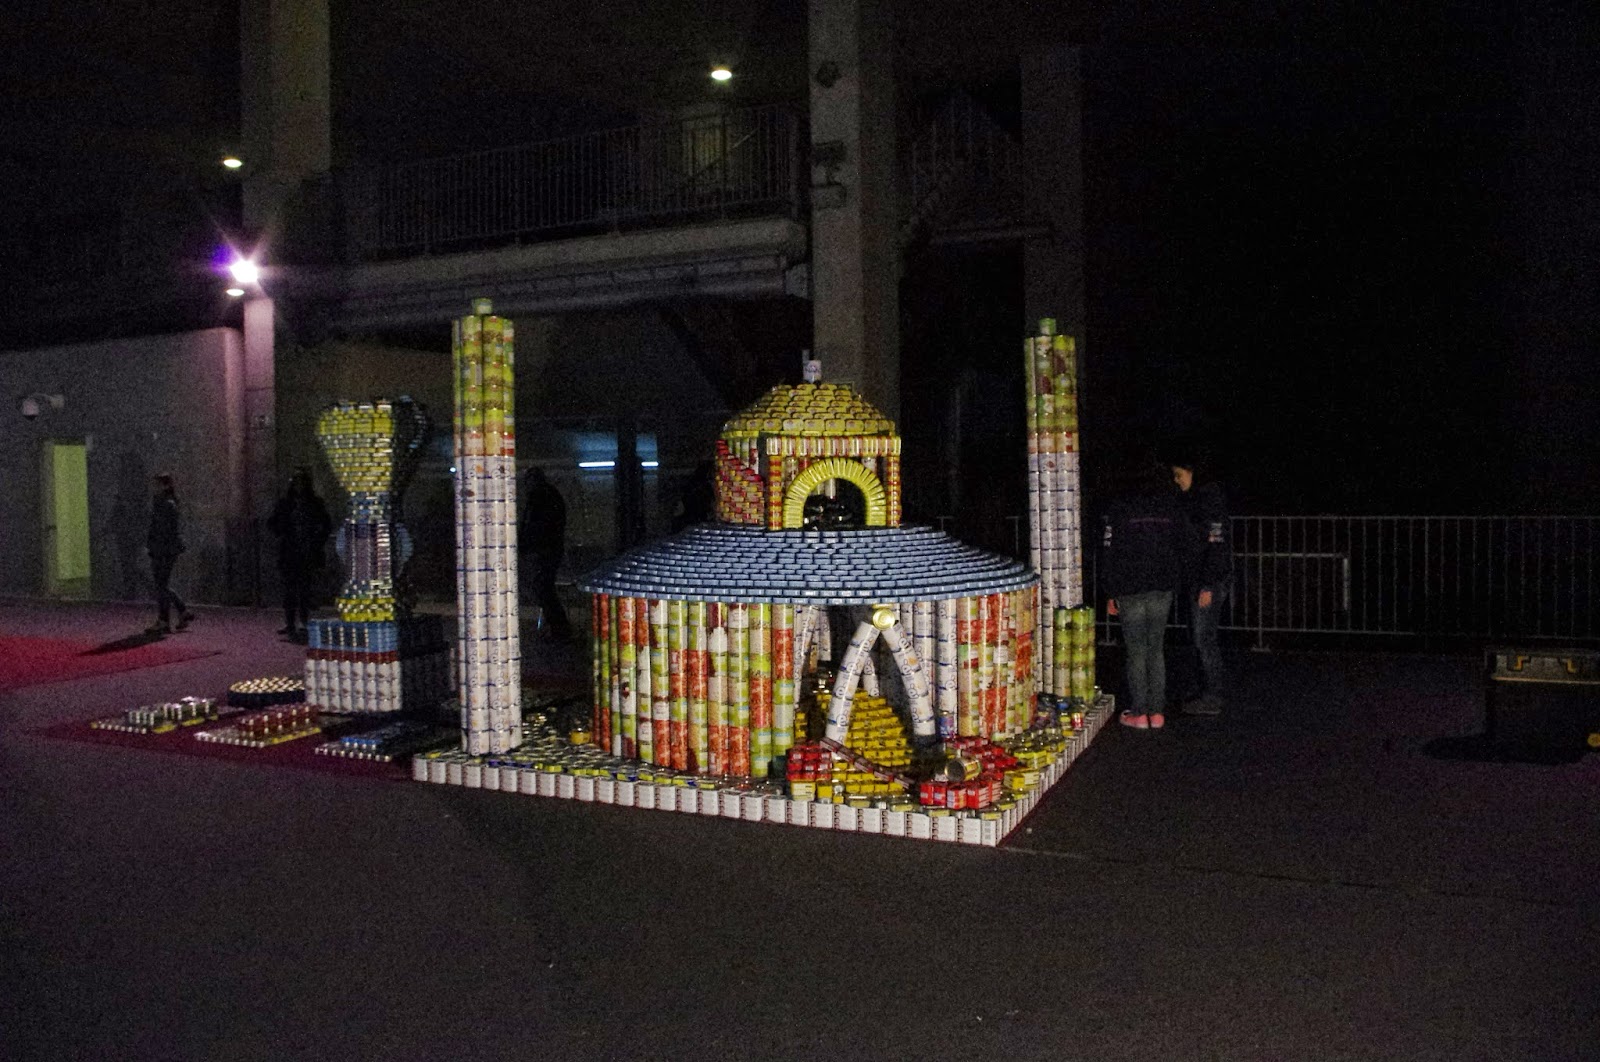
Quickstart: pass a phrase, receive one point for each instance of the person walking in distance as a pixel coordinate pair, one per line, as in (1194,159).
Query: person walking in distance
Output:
(1142,544)
(300,521)
(1209,564)
(164,541)
(542,537)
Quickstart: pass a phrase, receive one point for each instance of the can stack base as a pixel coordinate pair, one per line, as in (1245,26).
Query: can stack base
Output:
(606,780)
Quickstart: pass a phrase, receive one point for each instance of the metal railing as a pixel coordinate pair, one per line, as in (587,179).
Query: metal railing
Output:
(1479,577)
(736,163)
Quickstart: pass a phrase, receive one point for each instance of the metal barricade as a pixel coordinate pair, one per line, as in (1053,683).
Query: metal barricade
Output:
(1477,577)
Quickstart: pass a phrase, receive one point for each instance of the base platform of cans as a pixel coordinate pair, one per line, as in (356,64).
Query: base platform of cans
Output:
(548,765)
(806,659)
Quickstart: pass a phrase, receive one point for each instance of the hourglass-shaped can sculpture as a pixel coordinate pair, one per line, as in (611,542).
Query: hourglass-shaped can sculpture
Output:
(376,657)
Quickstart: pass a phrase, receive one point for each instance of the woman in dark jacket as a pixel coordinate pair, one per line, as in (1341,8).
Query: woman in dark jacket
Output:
(1210,574)
(1143,545)
(164,541)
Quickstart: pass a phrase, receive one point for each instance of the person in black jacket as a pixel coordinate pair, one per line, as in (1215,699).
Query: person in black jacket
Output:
(301,522)
(164,541)
(542,539)
(1143,545)
(1209,564)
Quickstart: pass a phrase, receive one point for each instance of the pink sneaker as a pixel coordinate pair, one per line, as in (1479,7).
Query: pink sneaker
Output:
(1156,720)
(1138,722)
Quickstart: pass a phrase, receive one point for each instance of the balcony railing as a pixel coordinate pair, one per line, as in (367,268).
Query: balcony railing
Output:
(1526,578)
(738,163)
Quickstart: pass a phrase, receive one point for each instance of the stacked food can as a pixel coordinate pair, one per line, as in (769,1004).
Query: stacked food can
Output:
(161,718)
(1072,653)
(490,653)
(1055,513)
(373,448)
(376,656)
(377,666)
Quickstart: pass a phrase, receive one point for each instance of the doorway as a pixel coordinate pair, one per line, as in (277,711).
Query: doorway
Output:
(64,517)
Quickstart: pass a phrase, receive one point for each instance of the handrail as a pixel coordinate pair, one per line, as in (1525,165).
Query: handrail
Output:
(735,163)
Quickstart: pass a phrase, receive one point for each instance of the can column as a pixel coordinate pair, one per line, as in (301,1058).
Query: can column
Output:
(489,643)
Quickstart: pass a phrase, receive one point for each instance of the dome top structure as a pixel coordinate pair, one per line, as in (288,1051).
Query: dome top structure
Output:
(809,409)
(809,456)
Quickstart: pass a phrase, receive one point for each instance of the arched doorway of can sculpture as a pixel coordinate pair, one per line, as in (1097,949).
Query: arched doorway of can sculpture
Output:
(835,478)
(837,505)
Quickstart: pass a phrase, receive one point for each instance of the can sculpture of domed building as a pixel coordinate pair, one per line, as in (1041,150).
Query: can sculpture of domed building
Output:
(805,603)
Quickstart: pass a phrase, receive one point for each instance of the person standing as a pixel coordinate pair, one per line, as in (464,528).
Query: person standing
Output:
(1209,563)
(164,541)
(301,522)
(542,537)
(1142,544)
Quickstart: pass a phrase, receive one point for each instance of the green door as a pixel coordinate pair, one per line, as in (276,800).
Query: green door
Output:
(65,516)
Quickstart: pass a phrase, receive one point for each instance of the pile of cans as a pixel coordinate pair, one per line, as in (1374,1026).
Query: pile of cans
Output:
(547,765)
(821,431)
(389,742)
(275,726)
(265,692)
(1072,653)
(373,448)
(489,654)
(161,718)
(1055,501)
(382,666)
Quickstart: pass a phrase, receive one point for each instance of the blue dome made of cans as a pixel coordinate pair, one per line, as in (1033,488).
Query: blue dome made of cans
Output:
(741,564)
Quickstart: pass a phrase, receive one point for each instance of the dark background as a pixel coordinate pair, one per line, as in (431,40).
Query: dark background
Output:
(1353,257)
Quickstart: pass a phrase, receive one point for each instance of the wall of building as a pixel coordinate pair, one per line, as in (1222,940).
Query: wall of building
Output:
(154,404)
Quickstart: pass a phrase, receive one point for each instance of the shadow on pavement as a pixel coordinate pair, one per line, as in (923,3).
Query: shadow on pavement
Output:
(122,645)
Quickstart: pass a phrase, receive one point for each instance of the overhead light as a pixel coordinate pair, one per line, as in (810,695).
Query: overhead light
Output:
(613,464)
(233,162)
(721,73)
(235,292)
(245,271)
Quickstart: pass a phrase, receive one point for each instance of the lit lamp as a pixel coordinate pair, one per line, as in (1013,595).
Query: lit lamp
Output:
(721,73)
(245,273)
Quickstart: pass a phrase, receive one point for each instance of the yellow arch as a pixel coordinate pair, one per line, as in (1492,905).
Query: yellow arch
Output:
(815,475)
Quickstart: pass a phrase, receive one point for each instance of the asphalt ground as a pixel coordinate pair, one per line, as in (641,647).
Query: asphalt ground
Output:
(1297,879)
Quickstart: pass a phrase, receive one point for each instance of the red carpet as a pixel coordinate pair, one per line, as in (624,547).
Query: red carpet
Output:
(297,755)
(36,661)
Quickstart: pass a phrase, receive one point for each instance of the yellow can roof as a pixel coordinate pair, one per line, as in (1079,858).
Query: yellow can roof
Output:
(809,409)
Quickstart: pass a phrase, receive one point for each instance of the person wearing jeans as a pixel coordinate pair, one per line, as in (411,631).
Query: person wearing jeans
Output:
(1144,632)
(1143,544)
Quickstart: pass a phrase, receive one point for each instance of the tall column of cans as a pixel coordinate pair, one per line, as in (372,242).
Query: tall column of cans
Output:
(698,667)
(784,679)
(489,645)
(1054,499)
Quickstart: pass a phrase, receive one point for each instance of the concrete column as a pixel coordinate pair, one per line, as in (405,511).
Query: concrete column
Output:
(284,93)
(260,487)
(1052,136)
(285,103)
(855,254)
